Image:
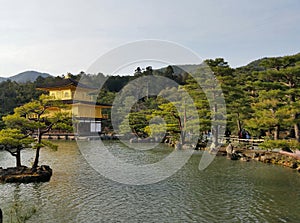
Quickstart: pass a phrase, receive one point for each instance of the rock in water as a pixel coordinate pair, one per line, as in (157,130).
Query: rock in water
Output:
(229,149)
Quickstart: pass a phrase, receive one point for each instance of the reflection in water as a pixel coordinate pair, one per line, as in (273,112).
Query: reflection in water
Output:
(18,209)
(227,191)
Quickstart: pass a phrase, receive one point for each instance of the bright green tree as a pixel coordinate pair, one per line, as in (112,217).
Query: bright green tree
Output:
(271,112)
(205,89)
(288,80)
(34,118)
(178,112)
(277,95)
(14,141)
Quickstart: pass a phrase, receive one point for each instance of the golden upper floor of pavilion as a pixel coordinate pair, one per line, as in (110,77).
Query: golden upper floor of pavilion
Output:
(68,89)
(79,97)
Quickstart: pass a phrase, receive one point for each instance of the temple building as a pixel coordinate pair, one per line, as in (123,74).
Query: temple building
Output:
(79,101)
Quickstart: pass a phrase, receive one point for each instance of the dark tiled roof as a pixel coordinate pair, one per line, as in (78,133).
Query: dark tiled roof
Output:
(84,102)
(65,83)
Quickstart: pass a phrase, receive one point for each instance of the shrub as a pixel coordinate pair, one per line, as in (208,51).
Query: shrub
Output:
(285,145)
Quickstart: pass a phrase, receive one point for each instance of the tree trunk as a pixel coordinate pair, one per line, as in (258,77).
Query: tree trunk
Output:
(238,121)
(182,141)
(215,126)
(18,158)
(239,125)
(37,156)
(37,153)
(296,128)
(183,127)
(276,132)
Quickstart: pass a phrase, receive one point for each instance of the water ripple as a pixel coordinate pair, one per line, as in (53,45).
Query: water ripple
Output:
(227,191)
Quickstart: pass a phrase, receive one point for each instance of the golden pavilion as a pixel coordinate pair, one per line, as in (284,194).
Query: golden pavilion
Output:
(79,101)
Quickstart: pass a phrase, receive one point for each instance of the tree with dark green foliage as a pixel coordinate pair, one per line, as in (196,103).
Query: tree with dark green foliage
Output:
(271,113)
(277,91)
(13,94)
(34,118)
(14,141)
(208,99)
(263,96)
(176,108)
(106,97)
(235,91)
(201,103)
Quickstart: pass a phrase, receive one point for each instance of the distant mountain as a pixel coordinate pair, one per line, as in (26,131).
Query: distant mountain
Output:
(27,76)
(179,69)
(256,64)
(253,66)
(3,79)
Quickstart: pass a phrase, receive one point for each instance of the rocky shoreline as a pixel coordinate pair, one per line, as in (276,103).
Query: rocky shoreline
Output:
(272,157)
(25,175)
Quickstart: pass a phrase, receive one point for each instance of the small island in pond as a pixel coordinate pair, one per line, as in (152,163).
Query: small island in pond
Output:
(25,129)
(25,175)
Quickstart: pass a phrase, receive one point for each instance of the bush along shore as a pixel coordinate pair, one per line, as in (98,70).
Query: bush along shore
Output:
(283,158)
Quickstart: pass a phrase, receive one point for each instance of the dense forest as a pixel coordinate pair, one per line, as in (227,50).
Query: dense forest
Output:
(262,98)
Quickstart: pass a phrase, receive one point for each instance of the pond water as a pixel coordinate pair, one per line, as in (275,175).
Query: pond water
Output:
(227,191)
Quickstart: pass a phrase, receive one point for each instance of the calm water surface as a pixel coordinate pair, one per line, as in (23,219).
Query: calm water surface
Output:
(227,191)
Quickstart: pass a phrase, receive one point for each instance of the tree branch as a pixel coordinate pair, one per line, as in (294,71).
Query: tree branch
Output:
(11,153)
(47,129)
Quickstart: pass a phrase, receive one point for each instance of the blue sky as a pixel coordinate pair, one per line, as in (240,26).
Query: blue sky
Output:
(68,36)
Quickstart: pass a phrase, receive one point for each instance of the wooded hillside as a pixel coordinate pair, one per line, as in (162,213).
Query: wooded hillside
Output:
(262,98)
